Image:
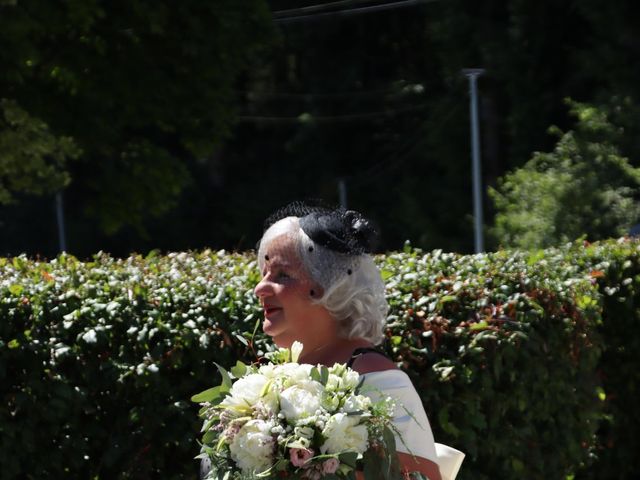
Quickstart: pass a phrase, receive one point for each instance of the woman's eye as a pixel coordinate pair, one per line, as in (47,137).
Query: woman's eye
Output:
(283,275)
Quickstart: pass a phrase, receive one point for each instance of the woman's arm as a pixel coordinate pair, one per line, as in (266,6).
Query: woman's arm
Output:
(374,363)
(411,463)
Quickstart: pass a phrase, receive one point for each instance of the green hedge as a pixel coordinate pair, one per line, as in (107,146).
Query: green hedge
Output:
(616,268)
(524,360)
(503,349)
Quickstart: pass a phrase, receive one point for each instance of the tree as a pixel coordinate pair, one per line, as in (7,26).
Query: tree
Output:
(584,187)
(32,159)
(188,111)
(144,88)
(412,170)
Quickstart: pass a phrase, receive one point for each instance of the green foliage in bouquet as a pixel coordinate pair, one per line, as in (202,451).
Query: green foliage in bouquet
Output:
(524,361)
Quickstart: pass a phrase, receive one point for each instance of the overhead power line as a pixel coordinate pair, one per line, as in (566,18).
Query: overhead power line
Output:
(409,89)
(328,118)
(345,12)
(317,8)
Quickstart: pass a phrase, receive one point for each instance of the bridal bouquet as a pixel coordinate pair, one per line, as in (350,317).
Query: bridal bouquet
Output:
(299,421)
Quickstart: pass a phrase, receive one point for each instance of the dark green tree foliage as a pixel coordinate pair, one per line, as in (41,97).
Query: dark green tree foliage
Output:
(377,98)
(144,88)
(609,63)
(411,167)
(583,187)
(32,159)
(358,91)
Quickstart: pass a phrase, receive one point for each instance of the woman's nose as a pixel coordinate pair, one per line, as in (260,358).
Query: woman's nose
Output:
(263,288)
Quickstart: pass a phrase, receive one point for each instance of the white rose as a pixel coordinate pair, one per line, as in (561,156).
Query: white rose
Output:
(357,403)
(252,447)
(268,370)
(245,392)
(342,379)
(301,400)
(350,379)
(330,402)
(343,433)
(333,382)
(294,372)
(338,369)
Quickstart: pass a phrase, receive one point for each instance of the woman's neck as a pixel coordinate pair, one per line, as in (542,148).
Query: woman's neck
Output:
(337,351)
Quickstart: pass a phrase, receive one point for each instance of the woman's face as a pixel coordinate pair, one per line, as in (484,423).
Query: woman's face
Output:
(285,293)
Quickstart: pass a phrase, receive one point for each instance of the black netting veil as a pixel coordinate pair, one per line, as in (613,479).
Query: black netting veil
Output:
(338,229)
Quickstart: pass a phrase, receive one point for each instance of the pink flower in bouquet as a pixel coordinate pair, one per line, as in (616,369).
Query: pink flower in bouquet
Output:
(330,466)
(300,456)
(312,474)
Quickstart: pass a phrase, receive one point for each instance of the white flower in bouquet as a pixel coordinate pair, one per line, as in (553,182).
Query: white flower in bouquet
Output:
(302,432)
(330,403)
(344,433)
(350,379)
(245,392)
(293,420)
(341,377)
(253,446)
(356,403)
(301,400)
(293,373)
(334,382)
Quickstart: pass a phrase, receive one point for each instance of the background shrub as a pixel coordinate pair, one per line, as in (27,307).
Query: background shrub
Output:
(98,359)
(503,349)
(536,203)
(616,268)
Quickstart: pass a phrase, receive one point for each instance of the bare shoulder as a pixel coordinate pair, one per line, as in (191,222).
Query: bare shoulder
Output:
(373,362)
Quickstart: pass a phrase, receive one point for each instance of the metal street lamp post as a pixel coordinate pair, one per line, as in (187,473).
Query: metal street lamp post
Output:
(62,240)
(472,74)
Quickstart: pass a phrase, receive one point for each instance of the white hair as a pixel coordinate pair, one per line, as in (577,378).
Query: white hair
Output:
(352,288)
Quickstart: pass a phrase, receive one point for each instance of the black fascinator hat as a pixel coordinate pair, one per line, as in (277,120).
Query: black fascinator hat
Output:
(338,229)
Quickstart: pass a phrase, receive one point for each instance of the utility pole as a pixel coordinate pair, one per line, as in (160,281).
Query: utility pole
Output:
(62,241)
(342,192)
(472,74)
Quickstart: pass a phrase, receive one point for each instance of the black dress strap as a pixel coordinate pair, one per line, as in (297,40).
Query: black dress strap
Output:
(361,351)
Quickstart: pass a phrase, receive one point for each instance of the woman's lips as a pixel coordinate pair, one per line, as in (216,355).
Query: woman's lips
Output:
(270,310)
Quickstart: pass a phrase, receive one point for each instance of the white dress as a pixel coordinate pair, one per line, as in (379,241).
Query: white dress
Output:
(411,420)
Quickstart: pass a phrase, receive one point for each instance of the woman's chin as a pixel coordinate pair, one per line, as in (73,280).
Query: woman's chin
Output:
(282,339)
(273,329)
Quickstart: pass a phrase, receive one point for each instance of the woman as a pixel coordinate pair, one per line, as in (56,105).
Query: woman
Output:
(321,287)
